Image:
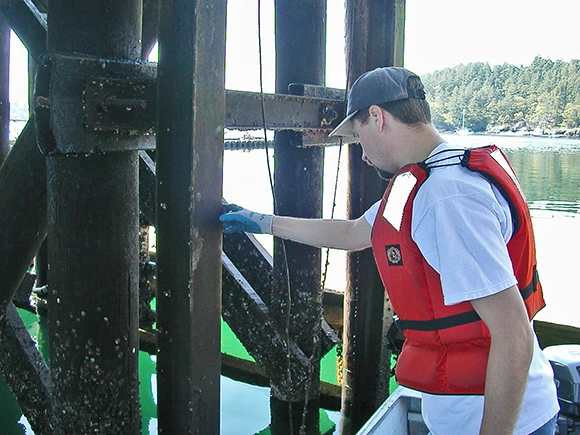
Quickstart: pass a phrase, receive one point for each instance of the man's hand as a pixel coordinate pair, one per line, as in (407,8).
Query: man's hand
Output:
(236,218)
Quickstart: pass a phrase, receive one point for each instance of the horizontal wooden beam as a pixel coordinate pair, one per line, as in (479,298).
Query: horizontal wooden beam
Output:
(550,334)
(281,112)
(121,107)
(249,372)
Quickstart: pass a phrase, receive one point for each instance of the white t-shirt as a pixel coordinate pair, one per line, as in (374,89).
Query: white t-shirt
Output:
(461,224)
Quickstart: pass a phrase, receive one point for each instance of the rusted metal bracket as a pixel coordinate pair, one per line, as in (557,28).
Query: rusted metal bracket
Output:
(330,114)
(283,112)
(115,105)
(85,105)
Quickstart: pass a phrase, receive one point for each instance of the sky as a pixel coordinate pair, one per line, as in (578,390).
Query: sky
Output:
(445,33)
(438,34)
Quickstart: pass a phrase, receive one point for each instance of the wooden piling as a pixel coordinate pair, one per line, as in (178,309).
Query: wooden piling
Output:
(4,89)
(191,113)
(297,294)
(374,30)
(93,231)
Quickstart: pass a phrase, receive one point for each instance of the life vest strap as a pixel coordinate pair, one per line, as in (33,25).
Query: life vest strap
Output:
(440,323)
(527,291)
(461,318)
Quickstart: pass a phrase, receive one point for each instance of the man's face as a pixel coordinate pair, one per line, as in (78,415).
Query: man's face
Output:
(382,139)
(375,147)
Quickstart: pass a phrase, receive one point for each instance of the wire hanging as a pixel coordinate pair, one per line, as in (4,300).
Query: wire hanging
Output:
(316,336)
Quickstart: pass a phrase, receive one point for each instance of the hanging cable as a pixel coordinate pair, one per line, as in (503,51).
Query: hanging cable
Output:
(316,351)
(348,68)
(276,207)
(316,336)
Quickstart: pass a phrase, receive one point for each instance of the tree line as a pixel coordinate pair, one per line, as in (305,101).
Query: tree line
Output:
(544,95)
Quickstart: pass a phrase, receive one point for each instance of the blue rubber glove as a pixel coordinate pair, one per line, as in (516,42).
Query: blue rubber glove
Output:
(236,218)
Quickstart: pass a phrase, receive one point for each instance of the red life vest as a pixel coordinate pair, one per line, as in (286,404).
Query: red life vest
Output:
(446,347)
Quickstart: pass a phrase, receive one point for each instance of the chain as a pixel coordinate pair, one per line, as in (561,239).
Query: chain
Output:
(339,364)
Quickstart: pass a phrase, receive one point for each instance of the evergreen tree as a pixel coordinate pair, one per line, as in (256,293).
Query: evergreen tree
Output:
(545,95)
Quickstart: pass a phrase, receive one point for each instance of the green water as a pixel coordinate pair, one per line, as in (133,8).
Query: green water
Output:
(245,409)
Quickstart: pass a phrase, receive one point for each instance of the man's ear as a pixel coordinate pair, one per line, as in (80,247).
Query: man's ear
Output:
(377,116)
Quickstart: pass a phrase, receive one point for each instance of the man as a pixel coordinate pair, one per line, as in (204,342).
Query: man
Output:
(453,243)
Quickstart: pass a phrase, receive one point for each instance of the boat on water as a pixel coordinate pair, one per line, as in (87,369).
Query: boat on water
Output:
(540,132)
(464,131)
(400,414)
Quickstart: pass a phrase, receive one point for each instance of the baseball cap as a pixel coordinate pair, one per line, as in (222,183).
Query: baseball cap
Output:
(381,85)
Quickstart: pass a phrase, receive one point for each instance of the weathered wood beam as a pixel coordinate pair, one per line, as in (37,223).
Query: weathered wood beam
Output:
(314,117)
(297,294)
(93,242)
(26,372)
(251,259)
(191,110)
(244,111)
(23,213)
(28,23)
(550,334)
(263,337)
(256,266)
(374,38)
(4,89)
(150,26)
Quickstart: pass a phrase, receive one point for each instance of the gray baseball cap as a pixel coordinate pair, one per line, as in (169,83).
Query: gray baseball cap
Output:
(381,85)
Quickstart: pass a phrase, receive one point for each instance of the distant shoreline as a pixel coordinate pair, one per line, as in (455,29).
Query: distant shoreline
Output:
(573,133)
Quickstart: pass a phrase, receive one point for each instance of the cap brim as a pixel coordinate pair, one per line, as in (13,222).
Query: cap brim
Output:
(344,128)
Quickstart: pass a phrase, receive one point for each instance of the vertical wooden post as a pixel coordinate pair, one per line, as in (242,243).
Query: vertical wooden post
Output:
(4,89)
(191,113)
(374,38)
(300,58)
(93,242)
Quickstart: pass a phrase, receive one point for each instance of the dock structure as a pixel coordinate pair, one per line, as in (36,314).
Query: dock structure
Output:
(4,91)
(114,142)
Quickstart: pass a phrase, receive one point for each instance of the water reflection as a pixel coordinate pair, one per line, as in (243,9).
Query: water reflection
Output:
(549,179)
(549,171)
(551,209)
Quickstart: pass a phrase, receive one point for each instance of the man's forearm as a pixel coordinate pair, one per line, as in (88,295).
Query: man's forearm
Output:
(324,233)
(507,373)
(512,341)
